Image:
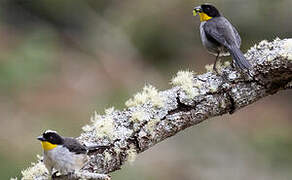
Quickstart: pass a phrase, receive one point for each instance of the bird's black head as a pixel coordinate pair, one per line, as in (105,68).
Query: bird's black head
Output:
(52,137)
(210,10)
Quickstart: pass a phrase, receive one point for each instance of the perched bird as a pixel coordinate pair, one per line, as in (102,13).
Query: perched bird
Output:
(219,36)
(64,154)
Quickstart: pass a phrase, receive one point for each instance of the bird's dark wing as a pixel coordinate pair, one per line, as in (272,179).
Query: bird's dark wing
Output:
(97,148)
(222,31)
(74,146)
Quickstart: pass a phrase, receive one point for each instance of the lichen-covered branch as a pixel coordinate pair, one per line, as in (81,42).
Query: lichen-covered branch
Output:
(151,116)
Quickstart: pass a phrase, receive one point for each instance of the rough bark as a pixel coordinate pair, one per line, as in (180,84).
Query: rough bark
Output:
(163,114)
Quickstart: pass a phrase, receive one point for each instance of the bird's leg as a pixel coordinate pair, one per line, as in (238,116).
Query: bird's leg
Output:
(215,64)
(233,65)
(225,79)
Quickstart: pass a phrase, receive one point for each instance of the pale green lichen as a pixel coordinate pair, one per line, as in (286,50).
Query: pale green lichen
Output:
(150,126)
(226,63)
(138,116)
(288,44)
(219,65)
(193,92)
(209,67)
(149,93)
(263,43)
(131,154)
(271,50)
(103,126)
(288,48)
(36,170)
(107,156)
(87,128)
(93,118)
(184,79)
(109,111)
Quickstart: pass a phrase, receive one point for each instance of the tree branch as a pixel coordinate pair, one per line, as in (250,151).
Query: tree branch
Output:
(153,116)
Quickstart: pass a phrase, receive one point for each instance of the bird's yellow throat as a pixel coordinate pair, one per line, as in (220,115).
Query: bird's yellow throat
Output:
(48,146)
(204,17)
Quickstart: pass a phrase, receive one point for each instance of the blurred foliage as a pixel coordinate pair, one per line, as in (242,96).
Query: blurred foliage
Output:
(24,65)
(154,40)
(61,60)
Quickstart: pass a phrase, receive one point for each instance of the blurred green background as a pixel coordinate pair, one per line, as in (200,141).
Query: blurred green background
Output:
(62,59)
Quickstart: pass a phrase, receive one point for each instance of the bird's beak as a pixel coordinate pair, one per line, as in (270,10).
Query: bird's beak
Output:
(41,138)
(197,10)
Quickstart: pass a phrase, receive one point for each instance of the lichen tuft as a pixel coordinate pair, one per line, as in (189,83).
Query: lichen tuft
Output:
(148,94)
(109,111)
(150,126)
(138,116)
(37,169)
(102,126)
(209,67)
(184,79)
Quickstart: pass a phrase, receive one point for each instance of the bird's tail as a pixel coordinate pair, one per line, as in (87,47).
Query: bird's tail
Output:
(95,148)
(239,58)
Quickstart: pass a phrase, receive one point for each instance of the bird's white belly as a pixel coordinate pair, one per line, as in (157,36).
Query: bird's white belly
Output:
(64,161)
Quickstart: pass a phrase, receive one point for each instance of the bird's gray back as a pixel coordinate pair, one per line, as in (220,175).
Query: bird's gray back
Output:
(223,31)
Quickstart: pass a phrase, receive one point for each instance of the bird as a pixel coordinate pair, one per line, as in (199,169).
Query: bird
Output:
(64,154)
(219,36)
